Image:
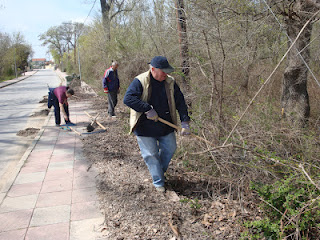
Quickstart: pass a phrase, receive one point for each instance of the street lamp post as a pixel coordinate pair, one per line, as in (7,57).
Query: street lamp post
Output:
(79,59)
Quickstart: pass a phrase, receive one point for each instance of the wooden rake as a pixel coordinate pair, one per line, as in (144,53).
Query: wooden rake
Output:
(179,129)
(94,120)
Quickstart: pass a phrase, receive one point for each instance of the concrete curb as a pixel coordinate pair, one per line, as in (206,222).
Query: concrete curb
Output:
(62,78)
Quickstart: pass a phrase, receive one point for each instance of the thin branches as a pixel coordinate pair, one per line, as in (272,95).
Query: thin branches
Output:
(268,79)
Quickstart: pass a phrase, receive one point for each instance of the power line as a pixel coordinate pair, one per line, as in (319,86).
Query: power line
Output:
(77,42)
(86,19)
(90,11)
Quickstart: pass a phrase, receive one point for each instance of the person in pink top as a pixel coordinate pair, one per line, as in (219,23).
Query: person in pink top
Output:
(58,97)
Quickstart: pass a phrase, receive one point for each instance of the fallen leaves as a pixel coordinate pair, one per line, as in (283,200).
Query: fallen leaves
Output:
(222,216)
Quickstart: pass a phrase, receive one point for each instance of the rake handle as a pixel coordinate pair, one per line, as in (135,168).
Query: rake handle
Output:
(103,127)
(169,124)
(75,131)
(179,129)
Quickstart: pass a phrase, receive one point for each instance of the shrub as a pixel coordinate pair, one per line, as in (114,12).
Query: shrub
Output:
(291,207)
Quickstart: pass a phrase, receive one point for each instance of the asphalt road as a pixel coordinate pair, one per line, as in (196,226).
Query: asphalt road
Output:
(18,102)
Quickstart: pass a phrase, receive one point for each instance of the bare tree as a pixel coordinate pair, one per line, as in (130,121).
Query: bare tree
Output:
(70,33)
(62,38)
(54,39)
(295,98)
(110,9)
(183,40)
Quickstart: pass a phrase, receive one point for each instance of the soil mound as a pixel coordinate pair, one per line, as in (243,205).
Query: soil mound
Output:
(43,112)
(28,132)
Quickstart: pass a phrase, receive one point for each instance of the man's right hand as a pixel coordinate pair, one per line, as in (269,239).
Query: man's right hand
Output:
(152,115)
(105,90)
(185,129)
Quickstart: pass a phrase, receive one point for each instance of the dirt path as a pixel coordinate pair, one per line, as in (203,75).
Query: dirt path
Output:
(189,209)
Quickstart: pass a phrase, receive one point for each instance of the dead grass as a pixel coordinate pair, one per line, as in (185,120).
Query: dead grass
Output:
(208,193)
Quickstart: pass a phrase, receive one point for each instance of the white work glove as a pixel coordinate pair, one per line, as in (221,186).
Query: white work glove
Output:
(185,129)
(152,115)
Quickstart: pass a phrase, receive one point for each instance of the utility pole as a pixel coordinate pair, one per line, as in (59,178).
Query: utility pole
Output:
(79,59)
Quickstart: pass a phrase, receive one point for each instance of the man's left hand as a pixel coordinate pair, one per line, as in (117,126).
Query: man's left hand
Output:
(185,129)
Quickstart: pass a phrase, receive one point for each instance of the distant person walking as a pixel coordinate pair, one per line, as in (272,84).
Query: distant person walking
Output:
(58,97)
(111,86)
(151,95)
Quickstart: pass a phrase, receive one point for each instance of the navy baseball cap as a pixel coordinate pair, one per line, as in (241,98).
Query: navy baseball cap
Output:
(161,63)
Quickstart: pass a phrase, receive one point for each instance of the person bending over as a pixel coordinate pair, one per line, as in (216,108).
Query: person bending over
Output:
(58,97)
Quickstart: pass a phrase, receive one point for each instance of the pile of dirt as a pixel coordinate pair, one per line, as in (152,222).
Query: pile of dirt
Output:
(28,132)
(191,208)
(76,82)
(44,100)
(43,112)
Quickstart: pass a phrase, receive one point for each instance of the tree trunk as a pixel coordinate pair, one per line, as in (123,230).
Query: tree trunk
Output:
(183,41)
(105,11)
(295,98)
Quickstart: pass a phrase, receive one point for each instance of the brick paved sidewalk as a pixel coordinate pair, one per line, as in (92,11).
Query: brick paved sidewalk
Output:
(54,195)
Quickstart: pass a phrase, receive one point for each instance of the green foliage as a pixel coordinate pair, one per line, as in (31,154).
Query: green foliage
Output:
(55,55)
(14,51)
(7,77)
(291,207)
(193,203)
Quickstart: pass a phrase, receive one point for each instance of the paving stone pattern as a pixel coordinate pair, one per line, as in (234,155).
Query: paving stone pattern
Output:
(54,194)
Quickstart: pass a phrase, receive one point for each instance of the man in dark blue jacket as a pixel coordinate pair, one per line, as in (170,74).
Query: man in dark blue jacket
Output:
(111,86)
(151,95)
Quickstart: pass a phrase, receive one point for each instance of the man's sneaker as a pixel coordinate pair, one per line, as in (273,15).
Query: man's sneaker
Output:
(160,189)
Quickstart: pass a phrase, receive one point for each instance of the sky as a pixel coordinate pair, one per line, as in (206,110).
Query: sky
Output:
(34,17)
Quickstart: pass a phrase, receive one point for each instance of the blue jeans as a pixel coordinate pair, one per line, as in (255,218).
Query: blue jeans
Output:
(157,153)
(57,111)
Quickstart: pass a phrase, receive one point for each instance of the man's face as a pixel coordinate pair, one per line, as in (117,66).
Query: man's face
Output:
(68,95)
(158,74)
(115,67)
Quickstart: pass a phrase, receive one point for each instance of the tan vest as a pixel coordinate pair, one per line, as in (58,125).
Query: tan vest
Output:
(144,79)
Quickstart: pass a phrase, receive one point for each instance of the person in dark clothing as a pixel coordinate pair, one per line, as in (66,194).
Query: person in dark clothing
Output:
(151,95)
(58,97)
(111,86)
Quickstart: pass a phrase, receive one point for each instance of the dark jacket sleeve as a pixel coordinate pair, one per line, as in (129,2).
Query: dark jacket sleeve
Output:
(181,104)
(104,79)
(108,77)
(132,98)
(111,80)
(104,82)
